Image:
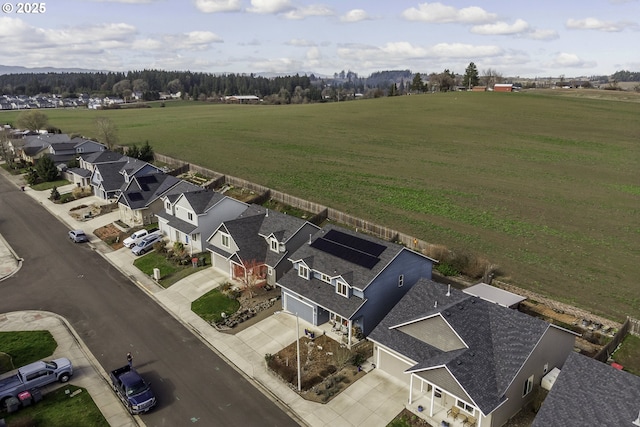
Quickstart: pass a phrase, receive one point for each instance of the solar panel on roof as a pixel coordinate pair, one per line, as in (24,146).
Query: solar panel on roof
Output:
(357,243)
(346,253)
(135,197)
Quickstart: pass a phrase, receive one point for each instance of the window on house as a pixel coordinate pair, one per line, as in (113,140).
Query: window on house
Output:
(325,278)
(190,216)
(400,280)
(528,386)
(270,271)
(274,245)
(465,406)
(168,205)
(194,237)
(303,271)
(224,238)
(342,288)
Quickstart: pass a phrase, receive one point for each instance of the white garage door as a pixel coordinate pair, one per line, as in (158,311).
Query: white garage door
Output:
(393,366)
(294,305)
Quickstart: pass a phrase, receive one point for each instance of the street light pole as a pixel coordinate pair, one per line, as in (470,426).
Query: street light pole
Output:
(298,354)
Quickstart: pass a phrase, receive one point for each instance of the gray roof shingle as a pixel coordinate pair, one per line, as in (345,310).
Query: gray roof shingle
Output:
(590,393)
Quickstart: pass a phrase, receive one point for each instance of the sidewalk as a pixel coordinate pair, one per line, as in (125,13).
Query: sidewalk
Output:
(374,400)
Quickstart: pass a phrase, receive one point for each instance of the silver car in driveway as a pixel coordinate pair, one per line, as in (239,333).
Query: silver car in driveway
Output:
(78,236)
(146,244)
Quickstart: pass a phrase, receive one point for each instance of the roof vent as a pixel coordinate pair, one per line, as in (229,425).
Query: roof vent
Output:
(460,306)
(448,290)
(459,362)
(447,313)
(435,305)
(471,353)
(266,213)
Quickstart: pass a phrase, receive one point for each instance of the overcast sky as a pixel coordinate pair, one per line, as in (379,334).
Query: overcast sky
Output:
(517,38)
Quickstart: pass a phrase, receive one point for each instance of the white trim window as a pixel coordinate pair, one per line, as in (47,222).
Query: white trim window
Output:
(273,245)
(194,237)
(400,280)
(270,271)
(325,278)
(190,216)
(342,288)
(465,406)
(225,240)
(303,271)
(528,386)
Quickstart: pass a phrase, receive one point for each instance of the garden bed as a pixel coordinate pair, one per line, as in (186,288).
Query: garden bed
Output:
(327,366)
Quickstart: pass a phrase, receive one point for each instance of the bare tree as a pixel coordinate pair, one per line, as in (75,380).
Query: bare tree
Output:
(107,131)
(490,77)
(32,120)
(254,276)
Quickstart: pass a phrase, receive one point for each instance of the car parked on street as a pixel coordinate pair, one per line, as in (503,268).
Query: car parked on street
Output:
(78,236)
(146,244)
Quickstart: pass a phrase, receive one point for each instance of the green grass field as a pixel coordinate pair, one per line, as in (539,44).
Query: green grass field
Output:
(545,184)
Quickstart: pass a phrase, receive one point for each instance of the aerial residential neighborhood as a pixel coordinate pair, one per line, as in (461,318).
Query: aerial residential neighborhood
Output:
(459,356)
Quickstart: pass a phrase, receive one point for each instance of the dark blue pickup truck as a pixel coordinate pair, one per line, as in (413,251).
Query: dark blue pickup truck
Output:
(132,390)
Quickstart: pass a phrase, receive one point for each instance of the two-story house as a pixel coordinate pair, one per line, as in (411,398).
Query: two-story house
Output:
(258,238)
(189,218)
(466,361)
(109,179)
(141,198)
(347,281)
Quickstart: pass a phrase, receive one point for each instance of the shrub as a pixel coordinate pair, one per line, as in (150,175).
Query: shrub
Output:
(447,269)
(160,247)
(55,194)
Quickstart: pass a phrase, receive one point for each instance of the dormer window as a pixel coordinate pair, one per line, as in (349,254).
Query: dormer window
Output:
(273,244)
(342,288)
(168,205)
(303,272)
(325,278)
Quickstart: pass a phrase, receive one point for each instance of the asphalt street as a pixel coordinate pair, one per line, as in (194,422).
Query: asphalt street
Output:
(113,317)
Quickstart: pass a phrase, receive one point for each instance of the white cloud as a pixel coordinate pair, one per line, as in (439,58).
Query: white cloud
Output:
(300,43)
(570,60)
(213,6)
(312,10)
(501,28)
(278,65)
(538,34)
(599,25)
(439,13)
(270,6)
(355,15)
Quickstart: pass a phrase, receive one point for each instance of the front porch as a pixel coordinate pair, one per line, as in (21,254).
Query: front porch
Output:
(341,330)
(441,416)
(440,407)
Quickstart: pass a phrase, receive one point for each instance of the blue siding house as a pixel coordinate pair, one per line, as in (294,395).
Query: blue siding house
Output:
(346,282)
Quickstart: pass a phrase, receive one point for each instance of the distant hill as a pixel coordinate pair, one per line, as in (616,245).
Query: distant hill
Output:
(13,69)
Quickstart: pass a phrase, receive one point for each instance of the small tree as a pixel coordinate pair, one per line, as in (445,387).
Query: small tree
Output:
(55,194)
(107,131)
(146,152)
(46,169)
(133,151)
(253,276)
(470,78)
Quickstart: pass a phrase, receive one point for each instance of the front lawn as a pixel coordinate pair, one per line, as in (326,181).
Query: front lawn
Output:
(49,185)
(64,407)
(23,347)
(170,271)
(211,305)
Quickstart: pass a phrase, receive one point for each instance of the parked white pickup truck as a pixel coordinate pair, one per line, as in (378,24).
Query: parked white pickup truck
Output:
(136,237)
(35,375)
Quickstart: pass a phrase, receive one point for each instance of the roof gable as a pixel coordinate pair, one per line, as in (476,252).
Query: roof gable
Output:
(436,332)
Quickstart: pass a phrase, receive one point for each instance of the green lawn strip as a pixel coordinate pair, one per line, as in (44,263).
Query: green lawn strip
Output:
(170,272)
(628,354)
(211,305)
(59,409)
(49,185)
(24,347)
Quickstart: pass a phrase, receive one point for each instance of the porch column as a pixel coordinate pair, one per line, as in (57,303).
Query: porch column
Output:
(433,395)
(411,389)
(349,326)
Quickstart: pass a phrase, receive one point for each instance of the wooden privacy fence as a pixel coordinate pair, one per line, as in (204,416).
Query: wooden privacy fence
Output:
(320,212)
(606,351)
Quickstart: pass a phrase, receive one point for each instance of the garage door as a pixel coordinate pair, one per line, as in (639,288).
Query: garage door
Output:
(393,366)
(220,262)
(294,305)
